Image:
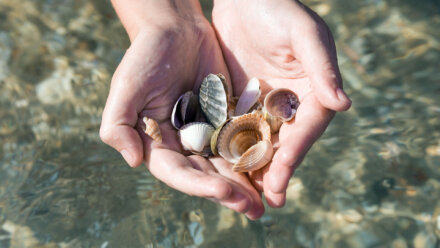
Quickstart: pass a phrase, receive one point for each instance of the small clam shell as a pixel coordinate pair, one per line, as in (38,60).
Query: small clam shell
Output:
(249,97)
(213,99)
(152,129)
(241,133)
(196,136)
(186,110)
(255,157)
(280,105)
(214,138)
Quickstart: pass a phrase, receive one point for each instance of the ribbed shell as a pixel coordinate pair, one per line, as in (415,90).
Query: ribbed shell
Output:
(196,136)
(152,129)
(255,157)
(239,134)
(249,97)
(213,99)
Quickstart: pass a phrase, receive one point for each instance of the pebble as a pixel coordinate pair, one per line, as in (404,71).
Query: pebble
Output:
(352,216)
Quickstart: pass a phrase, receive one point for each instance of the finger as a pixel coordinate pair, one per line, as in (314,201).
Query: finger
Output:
(241,185)
(275,200)
(121,110)
(177,171)
(256,178)
(316,50)
(295,140)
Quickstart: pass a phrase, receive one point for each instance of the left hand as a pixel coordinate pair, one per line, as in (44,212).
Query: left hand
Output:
(285,45)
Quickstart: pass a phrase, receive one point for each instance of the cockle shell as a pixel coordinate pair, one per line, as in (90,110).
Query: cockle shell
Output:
(196,137)
(213,98)
(280,105)
(249,97)
(255,157)
(186,110)
(239,135)
(152,129)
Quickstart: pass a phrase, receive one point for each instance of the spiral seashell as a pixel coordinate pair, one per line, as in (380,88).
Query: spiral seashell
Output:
(249,97)
(186,110)
(213,99)
(196,137)
(240,134)
(254,158)
(152,129)
(280,105)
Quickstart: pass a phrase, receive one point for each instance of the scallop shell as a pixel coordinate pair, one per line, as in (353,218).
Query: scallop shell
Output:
(152,129)
(186,110)
(213,98)
(256,157)
(249,97)
(240,134)
(280,105)
(196,136)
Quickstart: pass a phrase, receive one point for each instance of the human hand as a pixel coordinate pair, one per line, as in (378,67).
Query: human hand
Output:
(171,53)
(285,45)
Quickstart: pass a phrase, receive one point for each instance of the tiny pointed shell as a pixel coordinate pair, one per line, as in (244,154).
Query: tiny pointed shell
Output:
(152,129)
(255,157)
(249,97)
(196,136)
(226,142)
(213,99)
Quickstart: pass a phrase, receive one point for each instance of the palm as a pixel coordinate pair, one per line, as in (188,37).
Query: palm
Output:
(160,70)
(267,42)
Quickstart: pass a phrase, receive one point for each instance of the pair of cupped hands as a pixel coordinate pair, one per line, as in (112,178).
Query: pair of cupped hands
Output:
(173,47)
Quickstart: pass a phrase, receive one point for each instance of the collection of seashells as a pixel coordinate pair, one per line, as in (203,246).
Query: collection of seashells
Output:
(239,130)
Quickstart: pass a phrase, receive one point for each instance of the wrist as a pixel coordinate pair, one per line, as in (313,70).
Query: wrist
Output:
(138,15)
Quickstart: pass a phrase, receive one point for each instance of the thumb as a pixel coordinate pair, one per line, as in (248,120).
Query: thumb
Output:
(120,114)
(317,54)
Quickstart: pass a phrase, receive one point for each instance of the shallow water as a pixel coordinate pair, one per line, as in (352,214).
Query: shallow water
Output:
(372,180)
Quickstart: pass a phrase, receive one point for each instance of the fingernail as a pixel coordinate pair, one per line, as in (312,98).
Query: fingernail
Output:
(342,96)
(127,156)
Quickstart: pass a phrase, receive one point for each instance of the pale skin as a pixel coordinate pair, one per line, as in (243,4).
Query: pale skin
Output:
(173,47)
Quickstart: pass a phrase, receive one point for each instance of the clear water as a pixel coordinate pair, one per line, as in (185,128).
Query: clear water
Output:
(372,180)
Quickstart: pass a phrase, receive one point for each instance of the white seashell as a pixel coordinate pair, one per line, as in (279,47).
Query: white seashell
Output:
(249,97)
(196,136)
(280,105)
(241,133)
(256,157)
(213,99)
(152,129)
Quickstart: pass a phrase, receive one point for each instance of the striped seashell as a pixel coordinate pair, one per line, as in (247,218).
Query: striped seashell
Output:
(280,106)
(254,158)
(213,99)
(152,129)
(239,135)
(196,137)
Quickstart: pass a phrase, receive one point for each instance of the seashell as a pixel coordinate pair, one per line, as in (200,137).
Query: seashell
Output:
(186,110)
(213,99)
(280,105)
(152,129)
(249,97)
(256,157)
(196,137)
(240,134)
(214,138)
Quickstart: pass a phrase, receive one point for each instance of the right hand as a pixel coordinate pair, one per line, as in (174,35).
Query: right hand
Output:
(163,62)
